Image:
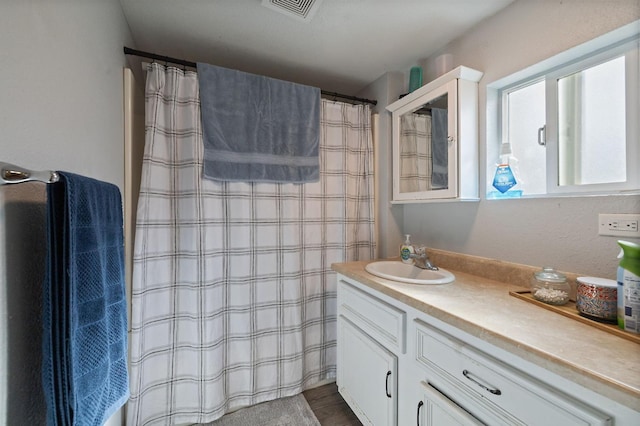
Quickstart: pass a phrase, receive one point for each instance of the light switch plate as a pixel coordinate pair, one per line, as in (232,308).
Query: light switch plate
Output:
(619,225)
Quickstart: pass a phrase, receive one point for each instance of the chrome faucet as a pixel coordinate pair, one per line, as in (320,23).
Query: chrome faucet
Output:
(421,260)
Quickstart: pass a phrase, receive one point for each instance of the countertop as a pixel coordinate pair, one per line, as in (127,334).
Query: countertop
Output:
(600,361)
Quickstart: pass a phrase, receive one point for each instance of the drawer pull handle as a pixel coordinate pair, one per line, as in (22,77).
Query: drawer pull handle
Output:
(469,376)
(386,385)
(420,404)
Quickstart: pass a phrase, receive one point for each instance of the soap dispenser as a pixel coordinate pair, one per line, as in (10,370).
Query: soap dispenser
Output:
(407,249)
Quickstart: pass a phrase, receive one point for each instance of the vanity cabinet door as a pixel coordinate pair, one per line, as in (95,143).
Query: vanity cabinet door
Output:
(436,409)
(367,375)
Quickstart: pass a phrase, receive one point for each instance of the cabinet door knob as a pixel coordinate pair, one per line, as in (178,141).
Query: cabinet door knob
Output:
(469,376)
(420,404)
(386,384)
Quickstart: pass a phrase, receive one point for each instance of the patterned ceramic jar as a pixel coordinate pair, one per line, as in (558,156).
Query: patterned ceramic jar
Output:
(597,298)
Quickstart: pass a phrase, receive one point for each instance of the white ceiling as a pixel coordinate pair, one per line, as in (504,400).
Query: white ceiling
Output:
(347,45)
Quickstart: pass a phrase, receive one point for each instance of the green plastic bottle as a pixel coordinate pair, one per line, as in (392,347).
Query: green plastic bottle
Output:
(629,287)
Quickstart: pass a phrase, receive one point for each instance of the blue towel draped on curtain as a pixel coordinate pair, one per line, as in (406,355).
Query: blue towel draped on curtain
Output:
(84,364)
(258,129)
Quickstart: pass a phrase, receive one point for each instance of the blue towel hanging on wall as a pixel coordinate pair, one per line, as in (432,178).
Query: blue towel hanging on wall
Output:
(84,366)
(258,129)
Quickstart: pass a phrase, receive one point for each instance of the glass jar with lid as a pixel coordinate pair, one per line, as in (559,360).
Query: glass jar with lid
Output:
(550,286)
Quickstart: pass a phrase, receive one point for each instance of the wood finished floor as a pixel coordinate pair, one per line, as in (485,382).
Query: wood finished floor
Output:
(329,407)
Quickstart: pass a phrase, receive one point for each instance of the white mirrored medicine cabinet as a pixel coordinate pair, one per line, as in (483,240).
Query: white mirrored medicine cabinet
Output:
(435,140)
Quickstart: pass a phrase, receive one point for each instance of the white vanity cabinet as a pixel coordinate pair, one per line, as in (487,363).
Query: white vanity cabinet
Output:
(399,366)
(370,339)
(492,391)
(435,140)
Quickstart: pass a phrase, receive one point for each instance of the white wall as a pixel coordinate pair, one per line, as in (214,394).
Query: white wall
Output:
(561,232)
(61,108)
(61,84)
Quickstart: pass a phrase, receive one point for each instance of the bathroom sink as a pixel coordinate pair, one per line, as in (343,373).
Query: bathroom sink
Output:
(403,272)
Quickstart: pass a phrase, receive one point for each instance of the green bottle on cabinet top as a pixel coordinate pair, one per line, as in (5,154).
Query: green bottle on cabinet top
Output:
(415,79)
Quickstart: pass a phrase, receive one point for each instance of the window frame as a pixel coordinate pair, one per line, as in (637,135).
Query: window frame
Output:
(622,42)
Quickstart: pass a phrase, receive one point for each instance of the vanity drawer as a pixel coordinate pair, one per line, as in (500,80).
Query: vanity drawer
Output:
(382,321)
(504,391)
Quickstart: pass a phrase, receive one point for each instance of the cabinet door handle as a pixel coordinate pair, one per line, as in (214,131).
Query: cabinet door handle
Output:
(471,377)
(386,385)
(420,404)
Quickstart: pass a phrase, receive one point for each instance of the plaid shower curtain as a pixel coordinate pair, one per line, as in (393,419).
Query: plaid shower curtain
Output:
(415,153)
(234,300)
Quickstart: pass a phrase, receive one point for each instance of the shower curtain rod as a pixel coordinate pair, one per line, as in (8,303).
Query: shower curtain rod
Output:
(10,173)
(134,52)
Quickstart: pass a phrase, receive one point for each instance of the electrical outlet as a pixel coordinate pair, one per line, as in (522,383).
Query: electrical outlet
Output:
(619,225)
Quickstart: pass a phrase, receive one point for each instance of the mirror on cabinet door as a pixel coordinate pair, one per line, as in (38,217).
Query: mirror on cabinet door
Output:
(426,140)
(424,147)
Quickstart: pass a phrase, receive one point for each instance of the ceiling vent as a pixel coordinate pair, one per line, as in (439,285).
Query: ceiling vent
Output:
(302,10)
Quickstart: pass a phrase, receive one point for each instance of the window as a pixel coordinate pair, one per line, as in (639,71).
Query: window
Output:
(572,127)
(524,115)
(591,125)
